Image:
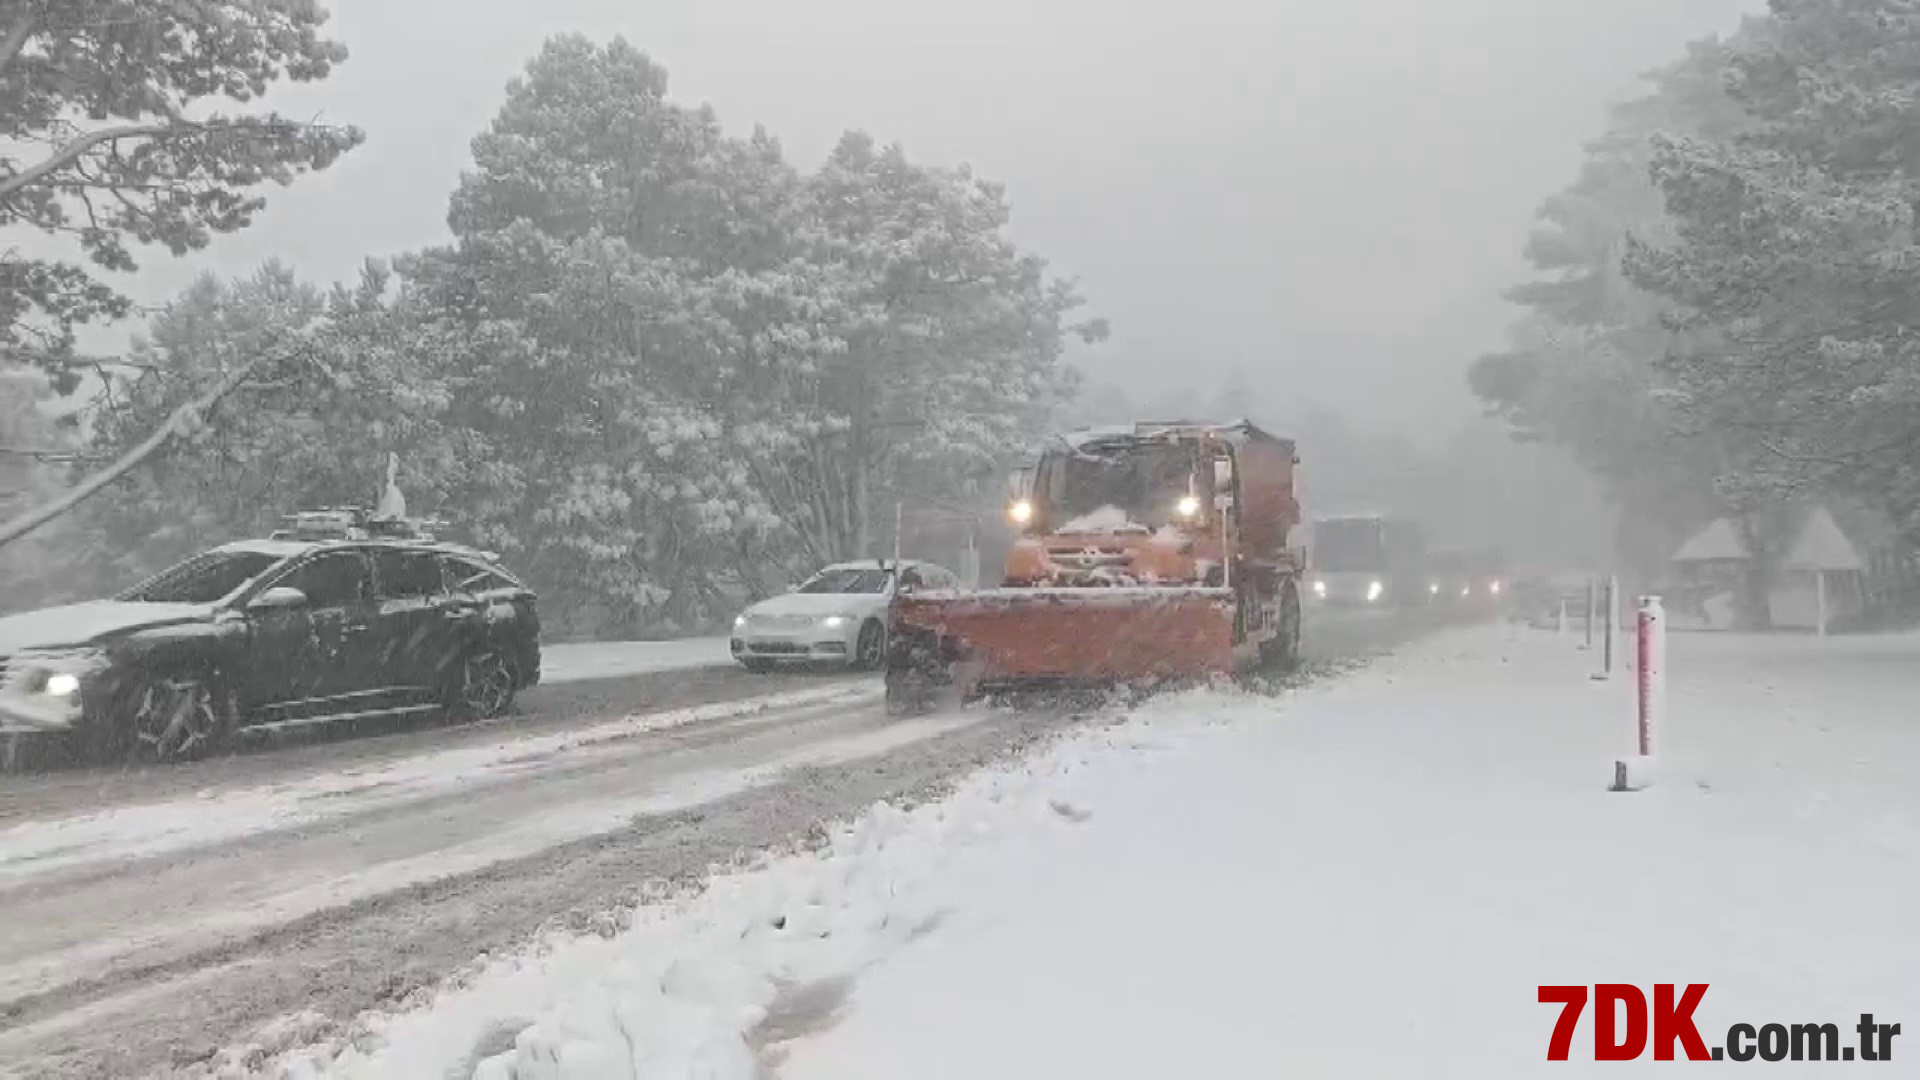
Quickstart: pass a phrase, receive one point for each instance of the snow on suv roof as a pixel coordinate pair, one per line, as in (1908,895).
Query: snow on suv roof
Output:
(282,549)
(279,549)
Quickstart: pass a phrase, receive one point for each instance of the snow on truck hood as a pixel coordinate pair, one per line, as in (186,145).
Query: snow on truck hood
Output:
(821,604)
(78,624)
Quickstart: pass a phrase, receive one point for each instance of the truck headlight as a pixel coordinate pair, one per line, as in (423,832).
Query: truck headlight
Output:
(1021,511)
(1374,589)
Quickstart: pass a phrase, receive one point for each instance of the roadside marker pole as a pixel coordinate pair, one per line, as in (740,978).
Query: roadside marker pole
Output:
(1650,697)
(1563,616)
(1612,605)
(1593,598)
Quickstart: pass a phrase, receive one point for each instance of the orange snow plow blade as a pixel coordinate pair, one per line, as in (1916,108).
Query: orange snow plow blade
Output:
(964,645)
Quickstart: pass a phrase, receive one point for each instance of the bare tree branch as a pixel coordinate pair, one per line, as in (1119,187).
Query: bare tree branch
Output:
(72,152)
(16,37)
(48,454)
(181,421)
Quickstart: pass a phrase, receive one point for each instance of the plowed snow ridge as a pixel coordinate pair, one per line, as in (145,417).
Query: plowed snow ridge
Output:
(40,847)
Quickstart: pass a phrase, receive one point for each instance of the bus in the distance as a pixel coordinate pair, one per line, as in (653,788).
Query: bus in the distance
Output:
(1366,560)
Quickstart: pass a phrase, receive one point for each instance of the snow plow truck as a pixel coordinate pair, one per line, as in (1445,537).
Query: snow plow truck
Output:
(1160,552)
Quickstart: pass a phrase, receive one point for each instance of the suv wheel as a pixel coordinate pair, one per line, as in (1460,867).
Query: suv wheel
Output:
(173,717)
(480,687)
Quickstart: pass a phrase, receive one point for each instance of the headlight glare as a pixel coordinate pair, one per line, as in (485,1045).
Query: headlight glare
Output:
(63,684)
(834,622)
(1374,589)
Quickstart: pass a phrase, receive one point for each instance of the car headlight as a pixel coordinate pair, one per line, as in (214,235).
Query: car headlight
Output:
(62,684)
(834,622)
(1021,511)
(1189,506)
(1434,589)
(739,621)
(1374,589)
(1319,588)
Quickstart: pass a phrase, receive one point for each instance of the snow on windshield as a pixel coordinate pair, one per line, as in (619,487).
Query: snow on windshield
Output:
(1107,519)
(202,580)
(847,580)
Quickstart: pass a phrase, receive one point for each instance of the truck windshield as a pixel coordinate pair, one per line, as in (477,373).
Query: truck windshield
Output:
(202,580)
(1345,546)
(1139,484)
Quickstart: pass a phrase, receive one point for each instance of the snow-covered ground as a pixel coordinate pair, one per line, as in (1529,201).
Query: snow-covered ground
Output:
(613,659)
(1369,878)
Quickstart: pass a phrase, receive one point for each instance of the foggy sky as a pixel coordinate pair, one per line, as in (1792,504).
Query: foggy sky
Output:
(1330,195)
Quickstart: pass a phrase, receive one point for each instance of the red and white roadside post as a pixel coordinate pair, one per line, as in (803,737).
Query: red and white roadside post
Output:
(1635,771)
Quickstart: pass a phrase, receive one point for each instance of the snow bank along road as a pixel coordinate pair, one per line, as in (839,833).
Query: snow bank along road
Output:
(1369,877)
(153,916)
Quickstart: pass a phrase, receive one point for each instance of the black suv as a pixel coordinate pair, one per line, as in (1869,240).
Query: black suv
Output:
(337,617)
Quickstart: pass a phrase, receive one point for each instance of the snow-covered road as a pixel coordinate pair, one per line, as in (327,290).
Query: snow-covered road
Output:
(158,915)
(1366,878)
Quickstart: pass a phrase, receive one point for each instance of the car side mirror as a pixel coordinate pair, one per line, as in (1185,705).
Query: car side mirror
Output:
(278,598)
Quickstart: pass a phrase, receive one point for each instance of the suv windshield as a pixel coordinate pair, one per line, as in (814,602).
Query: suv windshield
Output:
(847,581)
(202,580)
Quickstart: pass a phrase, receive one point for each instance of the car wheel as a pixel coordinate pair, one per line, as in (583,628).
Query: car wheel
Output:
(481,687)
(870,651)
(173,717)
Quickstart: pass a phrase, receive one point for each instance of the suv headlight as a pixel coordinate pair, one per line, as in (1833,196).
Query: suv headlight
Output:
(834,622)
(59,674)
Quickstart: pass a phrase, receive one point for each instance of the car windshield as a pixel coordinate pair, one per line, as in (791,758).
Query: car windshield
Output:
(202,580)
(848,580)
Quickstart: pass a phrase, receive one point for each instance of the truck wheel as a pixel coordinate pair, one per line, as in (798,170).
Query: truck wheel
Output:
(915,674)
(1280,654)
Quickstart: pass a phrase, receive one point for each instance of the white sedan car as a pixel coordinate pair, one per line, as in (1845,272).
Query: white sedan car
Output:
(837,616)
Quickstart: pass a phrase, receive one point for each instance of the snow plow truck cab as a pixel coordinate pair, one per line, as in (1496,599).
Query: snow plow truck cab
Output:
(1159,552)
